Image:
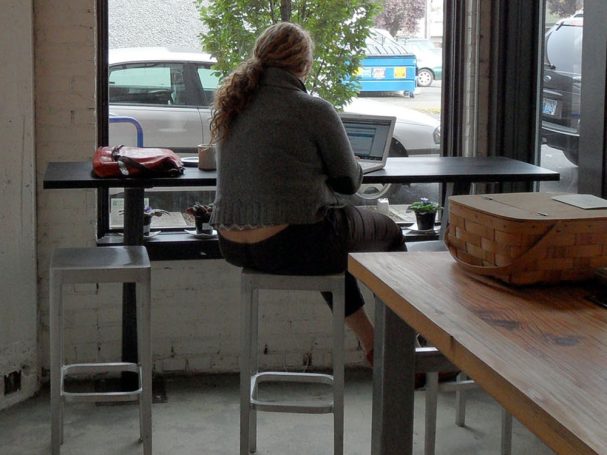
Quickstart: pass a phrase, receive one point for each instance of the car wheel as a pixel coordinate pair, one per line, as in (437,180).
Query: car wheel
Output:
(397,149)
(373,191)
(425,77)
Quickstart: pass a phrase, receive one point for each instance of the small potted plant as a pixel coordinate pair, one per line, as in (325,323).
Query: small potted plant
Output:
(148,214)
(202,216)
(425,213)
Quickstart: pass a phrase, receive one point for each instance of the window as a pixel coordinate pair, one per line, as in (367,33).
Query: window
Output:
(170,102)
(561,98)
(169,91)
(209,83)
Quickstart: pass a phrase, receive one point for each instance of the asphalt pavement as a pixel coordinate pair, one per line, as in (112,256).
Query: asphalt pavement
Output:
(425,99)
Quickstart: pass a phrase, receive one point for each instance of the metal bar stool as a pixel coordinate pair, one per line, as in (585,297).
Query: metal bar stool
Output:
(250,376)
(460,385)
(120,264)
(431,361)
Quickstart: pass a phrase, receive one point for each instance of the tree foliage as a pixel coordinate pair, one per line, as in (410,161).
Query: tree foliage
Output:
(563,8)
(401,15)
(338,27)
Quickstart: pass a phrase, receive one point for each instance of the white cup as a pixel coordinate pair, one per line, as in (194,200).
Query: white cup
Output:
(383,206)
(207,157)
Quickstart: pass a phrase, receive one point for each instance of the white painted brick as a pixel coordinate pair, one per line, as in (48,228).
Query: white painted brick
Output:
(67,34)
(198,364)
(224,363)
(173,364)
(109,351)
(162,347)
(109,317)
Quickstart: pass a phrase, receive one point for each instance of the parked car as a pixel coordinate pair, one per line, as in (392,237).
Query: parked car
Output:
(170,93)
(429,59)
(562,85)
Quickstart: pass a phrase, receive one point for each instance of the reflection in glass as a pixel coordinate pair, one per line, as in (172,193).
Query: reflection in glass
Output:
(561,90)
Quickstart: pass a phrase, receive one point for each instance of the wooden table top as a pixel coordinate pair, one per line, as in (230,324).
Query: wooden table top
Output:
(540,351)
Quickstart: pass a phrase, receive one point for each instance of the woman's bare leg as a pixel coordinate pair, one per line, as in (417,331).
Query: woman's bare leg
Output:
(360,324)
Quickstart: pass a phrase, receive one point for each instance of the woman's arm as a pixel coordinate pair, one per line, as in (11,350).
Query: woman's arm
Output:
(345,174)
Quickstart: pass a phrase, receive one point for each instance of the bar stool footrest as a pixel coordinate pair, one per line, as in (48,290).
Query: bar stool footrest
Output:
(301,407)
(100,368)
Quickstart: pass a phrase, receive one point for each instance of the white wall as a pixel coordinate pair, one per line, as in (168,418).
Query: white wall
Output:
(18,350)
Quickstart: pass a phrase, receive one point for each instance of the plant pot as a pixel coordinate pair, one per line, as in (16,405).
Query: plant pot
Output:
(425,221)
(202,225)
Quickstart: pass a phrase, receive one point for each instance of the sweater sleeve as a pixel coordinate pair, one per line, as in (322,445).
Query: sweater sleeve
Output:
(344,173)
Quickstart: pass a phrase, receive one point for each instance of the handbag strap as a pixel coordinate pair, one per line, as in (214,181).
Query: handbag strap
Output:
(124,170)
(518,262)
(128,161)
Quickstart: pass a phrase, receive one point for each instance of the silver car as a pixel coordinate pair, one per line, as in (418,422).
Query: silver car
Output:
(169,93)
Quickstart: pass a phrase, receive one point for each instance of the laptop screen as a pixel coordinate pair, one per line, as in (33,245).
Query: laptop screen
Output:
(368,136)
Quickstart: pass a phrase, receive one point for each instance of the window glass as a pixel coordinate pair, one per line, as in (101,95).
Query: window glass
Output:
(155,76)
(561,92)
(171,101)
(564,45)
(209,83)
(147,84)
(208,79)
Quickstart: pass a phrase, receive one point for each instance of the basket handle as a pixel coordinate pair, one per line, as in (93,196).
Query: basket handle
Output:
(531,254)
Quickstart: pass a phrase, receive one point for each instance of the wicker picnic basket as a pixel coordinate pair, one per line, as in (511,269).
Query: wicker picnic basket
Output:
(526,238)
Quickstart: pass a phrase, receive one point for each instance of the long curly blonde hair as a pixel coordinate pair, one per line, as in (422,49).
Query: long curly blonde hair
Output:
(283,45)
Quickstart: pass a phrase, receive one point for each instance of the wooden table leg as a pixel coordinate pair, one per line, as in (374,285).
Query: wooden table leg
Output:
(393,384)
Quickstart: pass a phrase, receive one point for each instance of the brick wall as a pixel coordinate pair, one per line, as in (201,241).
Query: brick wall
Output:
(195,308)
(18,344)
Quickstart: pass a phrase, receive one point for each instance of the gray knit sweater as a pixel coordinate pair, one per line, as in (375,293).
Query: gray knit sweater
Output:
(285,157)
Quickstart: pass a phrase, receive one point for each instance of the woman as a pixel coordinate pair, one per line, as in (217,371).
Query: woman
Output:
(283,156)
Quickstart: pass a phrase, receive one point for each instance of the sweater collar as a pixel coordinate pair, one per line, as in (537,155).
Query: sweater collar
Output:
(277,77)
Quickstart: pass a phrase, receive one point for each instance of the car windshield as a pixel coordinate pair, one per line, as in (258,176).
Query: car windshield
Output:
(564,49)
(421,44)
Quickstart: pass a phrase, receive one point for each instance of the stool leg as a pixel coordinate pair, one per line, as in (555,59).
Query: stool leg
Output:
(431,408)
(144,344)
(56,327)
(338,369)
(245,363)
(61,336)
(460,402)
(254,366)
(506,448)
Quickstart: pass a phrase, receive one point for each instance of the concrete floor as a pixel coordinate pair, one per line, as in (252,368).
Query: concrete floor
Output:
(201,417)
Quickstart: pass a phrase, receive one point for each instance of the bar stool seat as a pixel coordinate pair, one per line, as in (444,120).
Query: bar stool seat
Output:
(250,377)
(119,264)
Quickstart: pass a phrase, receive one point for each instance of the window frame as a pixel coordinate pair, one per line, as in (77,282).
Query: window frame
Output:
(592,163)
(513,91)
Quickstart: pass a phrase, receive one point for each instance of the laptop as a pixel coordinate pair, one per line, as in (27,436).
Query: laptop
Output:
(370,137)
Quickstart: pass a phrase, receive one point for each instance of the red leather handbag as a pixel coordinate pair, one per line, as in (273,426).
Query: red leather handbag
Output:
(121,161)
